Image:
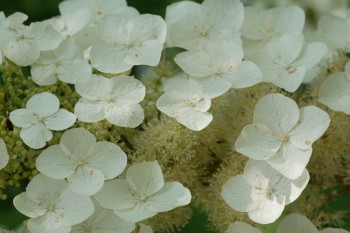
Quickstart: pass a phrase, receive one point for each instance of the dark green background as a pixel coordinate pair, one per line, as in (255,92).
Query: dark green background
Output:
(42,9)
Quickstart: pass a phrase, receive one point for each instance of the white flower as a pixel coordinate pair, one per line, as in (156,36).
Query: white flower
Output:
(132,40)
(185,100)
(260,26)
(42,114)
(85,163)
(65,63)
(297,223)
(241,227)
(218,66)
(282,134)
(285,60)
(4,157)
(213,19)
(262,191)
(335,91)
(22,44)
(143,193)
(103,221)
(115,99)
(52,205)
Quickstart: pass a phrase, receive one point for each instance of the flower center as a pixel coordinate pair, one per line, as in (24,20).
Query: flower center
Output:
(284,138)
(51,207)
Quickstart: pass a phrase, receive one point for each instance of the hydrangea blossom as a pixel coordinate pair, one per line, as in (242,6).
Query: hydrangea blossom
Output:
(260,26)
(185,100)
(84,162)
(297,223)
(64,63)
(282,134)
(52,206)
(22,44)
(218,66)
(262,191)
(285,60)
(241,227)
(198,23)
(335,91)
(42,114)
(133,40)
(143,193)
(4,157)
(115,99)
(103,221)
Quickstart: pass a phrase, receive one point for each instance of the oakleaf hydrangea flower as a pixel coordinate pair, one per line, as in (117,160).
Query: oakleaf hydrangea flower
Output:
(241,227)
(22,44)
(285,60)
(115,99)
(335,91)
(260,26)
(42,114)
(103,221)
(262,191)
(131,41)
(143,193)
(4,157)
(282,134)
(84,162)
(65,63)
(297,223)
(185,100)
(218,66)
(200,23)
(51,205)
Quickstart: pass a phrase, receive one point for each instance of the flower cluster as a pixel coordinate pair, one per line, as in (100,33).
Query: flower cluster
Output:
(118,120)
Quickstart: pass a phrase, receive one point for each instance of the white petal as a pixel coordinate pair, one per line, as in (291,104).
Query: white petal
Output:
(73,208)
(85,180)
(43,104)
(124,113)
(312,124)
(44,75)
(97,88)
(108,58)
(28,207)
(286,77)
(214,87)
(21,52)
(266,211)
(194,120)
(236,193)
(297,186)
(44,36)
(79,143)
(258,142)
(36,136)
(127,88)
(41,228)
(53,162)
(241,227)
(194,63)
(311,55)
(109,159)
(135,214)
(4,157)
(172,195)
(296,223)
(145,178)
(60,120)
(335,92)
(290,160)
(247,75)
(145,228)
(90,110)
(74,71)
(23,118)
(147,54)
(277,112)
(116,194)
